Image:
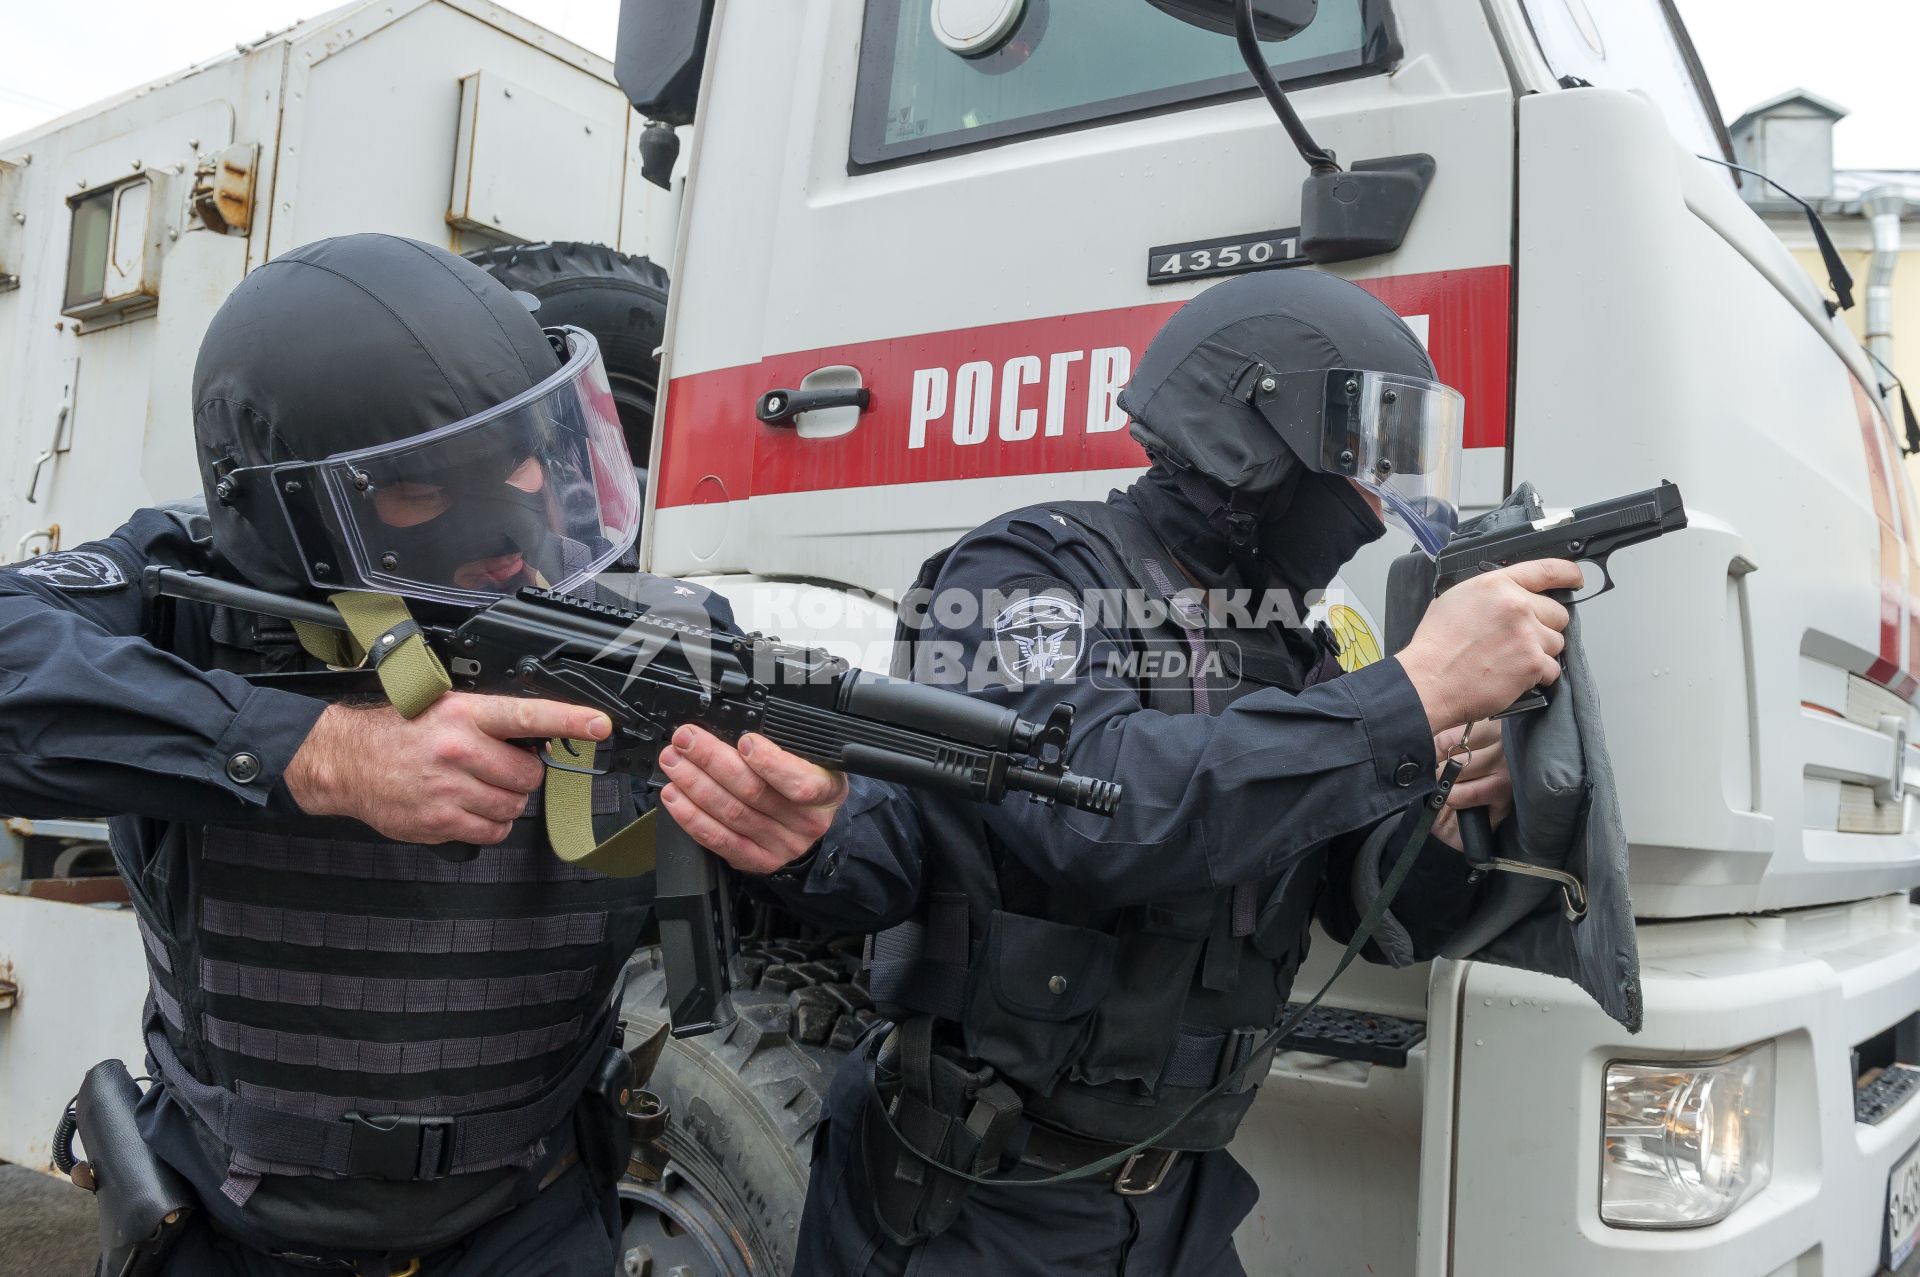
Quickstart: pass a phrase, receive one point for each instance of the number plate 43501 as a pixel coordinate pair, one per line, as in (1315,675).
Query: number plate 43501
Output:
(1228,255)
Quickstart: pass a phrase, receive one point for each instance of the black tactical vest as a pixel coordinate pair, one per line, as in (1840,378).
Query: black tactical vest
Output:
(327,1002)
(1114,1021)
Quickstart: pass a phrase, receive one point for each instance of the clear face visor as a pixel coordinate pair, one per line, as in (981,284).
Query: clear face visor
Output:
(1398,438)
(537,491)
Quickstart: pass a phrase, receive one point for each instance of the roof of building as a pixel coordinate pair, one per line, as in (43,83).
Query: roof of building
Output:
(1851,184)
(1772,105)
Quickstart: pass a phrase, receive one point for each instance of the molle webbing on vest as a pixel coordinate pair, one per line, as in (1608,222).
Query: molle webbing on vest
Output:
(312,929)
(333,1107)
(273,1140)
(374,993)
(349,1055)
(365,1008)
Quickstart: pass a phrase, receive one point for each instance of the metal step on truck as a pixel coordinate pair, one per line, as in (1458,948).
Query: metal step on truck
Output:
(980,211)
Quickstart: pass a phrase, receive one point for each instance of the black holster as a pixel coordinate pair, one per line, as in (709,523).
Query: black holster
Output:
(619,1126)
(144,1203)
(926,1110)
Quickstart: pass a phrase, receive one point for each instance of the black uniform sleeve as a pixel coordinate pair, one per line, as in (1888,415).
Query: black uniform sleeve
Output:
(98,720)
(1210,801)
(1435,901)
(865,874)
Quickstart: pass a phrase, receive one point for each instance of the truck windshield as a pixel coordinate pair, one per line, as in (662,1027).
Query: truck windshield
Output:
(1638,45)
(1070,62)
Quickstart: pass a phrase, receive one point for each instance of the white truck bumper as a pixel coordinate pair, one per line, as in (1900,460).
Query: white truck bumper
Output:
(1522,1179)
(1482,1155)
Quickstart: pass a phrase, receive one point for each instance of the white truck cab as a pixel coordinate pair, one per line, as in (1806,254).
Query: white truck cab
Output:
(982,212)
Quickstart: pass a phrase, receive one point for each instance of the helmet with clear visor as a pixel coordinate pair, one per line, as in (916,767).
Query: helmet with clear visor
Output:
(1397,437)
(535,491)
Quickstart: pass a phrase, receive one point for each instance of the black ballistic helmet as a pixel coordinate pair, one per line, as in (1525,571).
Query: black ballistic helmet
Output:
(342,355)
(1278,372)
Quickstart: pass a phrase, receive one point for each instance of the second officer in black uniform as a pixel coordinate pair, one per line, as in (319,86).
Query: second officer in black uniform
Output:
(1067,987)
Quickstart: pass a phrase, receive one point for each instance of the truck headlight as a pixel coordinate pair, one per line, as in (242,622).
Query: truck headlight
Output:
(1684,1143)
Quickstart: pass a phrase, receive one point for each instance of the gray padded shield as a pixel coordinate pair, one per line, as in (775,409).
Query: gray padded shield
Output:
(1566,816)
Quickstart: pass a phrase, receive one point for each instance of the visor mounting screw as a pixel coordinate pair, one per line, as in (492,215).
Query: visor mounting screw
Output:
(1353,387)
(1267,384)
(1574,547)
(1389,396)
(1385,465)
(323,569)
(361,481)
(224,491)
(469,642)
(1346,458)
(290,487)
(389,561)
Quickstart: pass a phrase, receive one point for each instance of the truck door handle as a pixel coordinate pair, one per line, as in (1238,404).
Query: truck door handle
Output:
(780,407)
(826,404)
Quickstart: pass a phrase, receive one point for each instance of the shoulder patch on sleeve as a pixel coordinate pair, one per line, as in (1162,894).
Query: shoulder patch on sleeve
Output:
(1039,637)
(76,571)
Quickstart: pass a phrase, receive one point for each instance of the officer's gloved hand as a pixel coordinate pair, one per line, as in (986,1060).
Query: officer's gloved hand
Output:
(1485,781)
(447,775)
(757,807)
(1488,640)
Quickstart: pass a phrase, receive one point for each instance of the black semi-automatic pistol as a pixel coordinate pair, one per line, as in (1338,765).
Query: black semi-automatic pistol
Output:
(1521,532)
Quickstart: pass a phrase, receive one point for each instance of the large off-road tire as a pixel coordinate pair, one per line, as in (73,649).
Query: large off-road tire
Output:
(744,1103)
(620,299)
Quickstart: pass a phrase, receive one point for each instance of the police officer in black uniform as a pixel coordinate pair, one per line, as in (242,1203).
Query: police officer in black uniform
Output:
(378,1000)
(1092,997)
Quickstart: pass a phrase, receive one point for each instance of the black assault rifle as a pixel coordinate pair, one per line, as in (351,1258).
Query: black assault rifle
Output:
(650,674)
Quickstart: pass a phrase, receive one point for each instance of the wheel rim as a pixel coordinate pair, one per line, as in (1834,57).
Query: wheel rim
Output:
(676,1229)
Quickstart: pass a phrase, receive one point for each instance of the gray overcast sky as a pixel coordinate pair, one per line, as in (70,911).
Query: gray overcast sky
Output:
(55,57)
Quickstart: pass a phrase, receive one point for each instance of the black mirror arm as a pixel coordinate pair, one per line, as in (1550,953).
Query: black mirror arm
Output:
(1318,158)
(1837,273)
(1912,444)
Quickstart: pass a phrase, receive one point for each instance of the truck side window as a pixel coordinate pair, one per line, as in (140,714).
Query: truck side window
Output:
(1071,62)
(87,248)
(1638,45)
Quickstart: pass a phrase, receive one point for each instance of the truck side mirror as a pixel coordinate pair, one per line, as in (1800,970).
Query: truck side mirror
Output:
(658,54)
(1361,211)
(1272,19)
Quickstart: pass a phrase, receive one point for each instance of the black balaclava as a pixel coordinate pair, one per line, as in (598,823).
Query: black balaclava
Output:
(1217,465)
(343,344)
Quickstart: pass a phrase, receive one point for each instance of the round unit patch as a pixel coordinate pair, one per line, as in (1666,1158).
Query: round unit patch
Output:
(76,571)
(1039,637)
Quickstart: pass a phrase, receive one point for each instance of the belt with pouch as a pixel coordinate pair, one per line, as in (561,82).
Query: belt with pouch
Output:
(1054,1151)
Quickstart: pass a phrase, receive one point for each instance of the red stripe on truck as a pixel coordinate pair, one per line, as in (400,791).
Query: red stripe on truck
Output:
(1032,396)
(1895,604)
